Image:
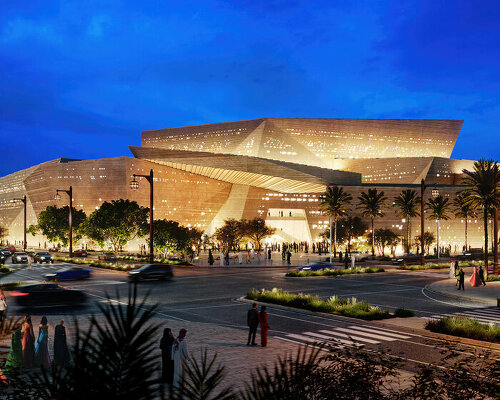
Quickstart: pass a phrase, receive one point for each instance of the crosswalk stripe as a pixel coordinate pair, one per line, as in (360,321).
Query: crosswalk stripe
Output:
(361,339)
(378,331)
(300,337)
(483,320)
(324,337)
(488,312)
(497,318)
(387,338)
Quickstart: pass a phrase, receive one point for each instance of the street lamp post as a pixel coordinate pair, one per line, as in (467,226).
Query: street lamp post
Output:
(435,193)
(23,200)
(134,185)
(70,216)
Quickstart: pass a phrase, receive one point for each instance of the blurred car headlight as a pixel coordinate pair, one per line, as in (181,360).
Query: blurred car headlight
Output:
(133,272)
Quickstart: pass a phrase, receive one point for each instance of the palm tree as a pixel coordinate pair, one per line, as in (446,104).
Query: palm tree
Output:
(484,182)
(372,204)
(335,203)
(463,210)
(438,207)
(407,204)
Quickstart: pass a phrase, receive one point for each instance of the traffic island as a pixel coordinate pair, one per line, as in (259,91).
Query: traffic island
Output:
(481,294)
(330,272)
(347,307)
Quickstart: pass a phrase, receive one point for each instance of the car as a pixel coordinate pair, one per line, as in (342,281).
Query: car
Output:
(151,271)
(47,294)
(5,252)
(43,256)
(317,266)
(3,257)
(80,253)
(19,257)
(70,273)
(406,258)
(472,254)
(53,249)
(107,257)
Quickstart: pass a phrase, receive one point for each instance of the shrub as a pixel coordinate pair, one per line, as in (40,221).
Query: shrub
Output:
(403,313)
(334,272)
(464,327)
(4,269)
(349,307)
(426,266)
(493,278)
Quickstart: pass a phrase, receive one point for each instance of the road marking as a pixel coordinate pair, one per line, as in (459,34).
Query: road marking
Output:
(382,332)
(357,332)
(445,302)
(304,338)
(361,339)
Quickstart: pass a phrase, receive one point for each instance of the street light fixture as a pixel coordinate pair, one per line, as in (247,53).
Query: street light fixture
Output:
(14,203)
(134,185)
(70,216)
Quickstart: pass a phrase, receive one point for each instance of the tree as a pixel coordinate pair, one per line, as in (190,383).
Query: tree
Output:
(195,239)
(350,228)
(335,203)
(3,232)
(484,192)
(230,234)
(438,207)
(385,237)
(406,204)
(168,236)
(429,239)
(116,222)
(256,230)
(463,210)
(54,224)
(372,204)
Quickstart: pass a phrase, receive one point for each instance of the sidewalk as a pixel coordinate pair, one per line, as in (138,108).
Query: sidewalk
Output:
(482,294)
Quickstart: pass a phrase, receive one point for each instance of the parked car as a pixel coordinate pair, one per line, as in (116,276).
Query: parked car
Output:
(408,258)
(472,254)
(19,257)
(5,252)
(43,256)
(107,257)
(70,273)
(3,257)
(47,294)
(317,266)
(151,271)
(80,253)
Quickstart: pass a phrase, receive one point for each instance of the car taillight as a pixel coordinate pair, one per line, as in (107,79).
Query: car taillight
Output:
(16,294)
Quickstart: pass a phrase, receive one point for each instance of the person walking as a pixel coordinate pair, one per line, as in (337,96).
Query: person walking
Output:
(253,323)
(457,275)
(288,257)
(264,326)
(258,256)
(248,256)
(61,351)
(179,355)
(167,362)
(210,257)
(474,279)
(346,262)
(353,261)
(227,256)
(340,256)
(28,343)
(252,253)
(480,273)
(3,306)
(42,357)
(222,258)
(461,279)
(240,257)
(269,254)
(452,273)
(15,359)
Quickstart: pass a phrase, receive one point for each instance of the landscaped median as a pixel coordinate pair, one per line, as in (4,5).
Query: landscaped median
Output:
(334,272)
(418,267)
(107,265)
(465,327)
(348,307)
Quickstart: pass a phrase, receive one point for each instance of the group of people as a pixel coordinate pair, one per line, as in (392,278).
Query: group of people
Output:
(26,352)
(457,272)
(173,356)
(254,319)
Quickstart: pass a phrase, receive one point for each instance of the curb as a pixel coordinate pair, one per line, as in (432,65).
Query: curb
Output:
(384,322)
(445,294)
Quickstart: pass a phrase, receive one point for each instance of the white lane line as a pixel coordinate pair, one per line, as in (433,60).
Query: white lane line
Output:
(156,312)
(382,332)
(495,313)
(358,338)
(357,332)
(445,302)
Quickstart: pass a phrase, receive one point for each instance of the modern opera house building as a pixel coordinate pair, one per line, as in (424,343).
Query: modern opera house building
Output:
(274,168)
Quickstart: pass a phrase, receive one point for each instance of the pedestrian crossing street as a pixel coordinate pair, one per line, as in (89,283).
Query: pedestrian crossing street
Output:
(488,315)
(354,335)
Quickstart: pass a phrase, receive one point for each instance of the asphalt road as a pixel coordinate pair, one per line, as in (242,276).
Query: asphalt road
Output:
(211,295)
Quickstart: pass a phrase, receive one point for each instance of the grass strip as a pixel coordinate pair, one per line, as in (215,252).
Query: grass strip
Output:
(422,267)
(335,272)
(349,307)
(465,327)
(97,264)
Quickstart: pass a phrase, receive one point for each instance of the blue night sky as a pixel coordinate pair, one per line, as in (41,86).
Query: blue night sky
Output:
(82,79)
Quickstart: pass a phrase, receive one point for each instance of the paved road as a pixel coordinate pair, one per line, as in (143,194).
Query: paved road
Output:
(206,295)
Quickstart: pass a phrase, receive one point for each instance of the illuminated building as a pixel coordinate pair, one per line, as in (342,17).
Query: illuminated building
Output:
(274,168)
